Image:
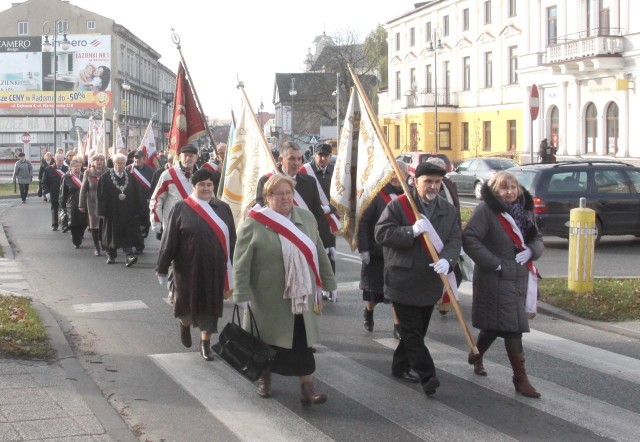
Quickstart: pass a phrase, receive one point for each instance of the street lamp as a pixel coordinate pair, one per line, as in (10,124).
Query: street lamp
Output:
(437,34)
(126,87)
(292,92)
(260,108)
(59,27)
(164,100)
(336,94)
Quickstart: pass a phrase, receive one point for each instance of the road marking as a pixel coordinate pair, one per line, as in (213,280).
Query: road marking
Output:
(585,411)
(351,285)
(349,257)
(411,409)
(233,400)
(109,306)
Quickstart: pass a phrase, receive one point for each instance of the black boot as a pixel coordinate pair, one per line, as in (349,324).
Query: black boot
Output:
(96,241)
(483,343)
(185,335)
(368,319)
(396,331)
(205,349)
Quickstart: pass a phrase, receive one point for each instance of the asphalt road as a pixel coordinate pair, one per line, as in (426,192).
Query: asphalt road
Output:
(126,338)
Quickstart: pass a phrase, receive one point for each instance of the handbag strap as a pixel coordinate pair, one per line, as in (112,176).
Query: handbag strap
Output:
(252,320)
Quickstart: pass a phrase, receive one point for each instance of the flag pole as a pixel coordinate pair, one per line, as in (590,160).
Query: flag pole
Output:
(265,145)
(175,38)
(144,137)
(115,136)
(104,129)
(431,249)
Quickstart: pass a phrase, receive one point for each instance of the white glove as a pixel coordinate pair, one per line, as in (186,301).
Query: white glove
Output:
(499,268)
(524,256)
(47,195)
(331,252)
(421,226)
(155,227)
(244,305)
(365,257)
(326,209)
(162,279)
(441,267)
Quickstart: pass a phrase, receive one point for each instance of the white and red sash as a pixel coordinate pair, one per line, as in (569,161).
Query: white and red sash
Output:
(140,178)
(435,240)
(283,226)
(180,181)
(213,167)
(332,218)
(387,197)
(76,181)
(220,228)
(59,172)
(511,228)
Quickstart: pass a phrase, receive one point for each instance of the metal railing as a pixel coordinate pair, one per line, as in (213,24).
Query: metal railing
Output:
(427,97)
(585,44)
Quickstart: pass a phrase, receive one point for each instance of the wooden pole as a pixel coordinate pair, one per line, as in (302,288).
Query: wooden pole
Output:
(104,130)
(431,249)
(114,141)
(176,40)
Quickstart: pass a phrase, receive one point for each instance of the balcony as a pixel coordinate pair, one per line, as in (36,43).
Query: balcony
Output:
(426,98)
(582,53)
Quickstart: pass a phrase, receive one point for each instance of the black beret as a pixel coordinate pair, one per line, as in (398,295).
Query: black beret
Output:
(429,169)
(189,148)
(138,154)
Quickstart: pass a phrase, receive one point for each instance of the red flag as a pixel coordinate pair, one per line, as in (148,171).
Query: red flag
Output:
(187,123)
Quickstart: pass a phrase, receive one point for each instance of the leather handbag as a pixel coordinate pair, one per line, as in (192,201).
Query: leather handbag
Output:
(243,350)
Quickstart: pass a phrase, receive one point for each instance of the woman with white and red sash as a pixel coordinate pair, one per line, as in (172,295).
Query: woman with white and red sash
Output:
(89,199)
(70,198)
(199,241)
(281,267)
(502,239)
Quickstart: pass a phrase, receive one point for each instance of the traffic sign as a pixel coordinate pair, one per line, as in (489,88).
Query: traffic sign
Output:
(26,138)
(313,140)
(534,102)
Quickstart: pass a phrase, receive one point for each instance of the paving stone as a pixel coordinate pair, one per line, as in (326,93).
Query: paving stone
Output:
(32,411)
(17,381)
(8,433)
(11,368)
(73,439)
(68,399)
(90,424)
(48,428)
(23,396)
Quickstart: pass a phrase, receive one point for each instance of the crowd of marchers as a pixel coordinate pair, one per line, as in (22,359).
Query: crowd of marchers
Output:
(281,260)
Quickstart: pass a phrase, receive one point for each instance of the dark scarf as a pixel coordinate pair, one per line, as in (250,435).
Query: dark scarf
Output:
(519,215)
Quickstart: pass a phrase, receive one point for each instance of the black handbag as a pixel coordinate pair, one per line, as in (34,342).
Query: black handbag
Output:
(243,351)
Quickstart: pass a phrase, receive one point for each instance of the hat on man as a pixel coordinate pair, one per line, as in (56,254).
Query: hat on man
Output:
(429,169)
(21,154)
(323,149)
(138,154)
(189,148)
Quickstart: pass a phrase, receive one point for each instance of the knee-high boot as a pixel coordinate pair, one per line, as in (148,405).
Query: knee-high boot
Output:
(483,343)
(95,235)
(520,379)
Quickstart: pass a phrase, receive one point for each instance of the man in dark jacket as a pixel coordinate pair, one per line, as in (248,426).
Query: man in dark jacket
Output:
(51,186)
(143,174)
(412,279)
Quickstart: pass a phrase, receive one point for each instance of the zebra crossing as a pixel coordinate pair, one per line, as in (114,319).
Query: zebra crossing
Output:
(407,412)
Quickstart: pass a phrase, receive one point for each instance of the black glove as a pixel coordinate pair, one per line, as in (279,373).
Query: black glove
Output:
(159,236)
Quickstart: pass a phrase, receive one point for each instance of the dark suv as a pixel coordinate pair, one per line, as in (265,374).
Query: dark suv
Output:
(611,188)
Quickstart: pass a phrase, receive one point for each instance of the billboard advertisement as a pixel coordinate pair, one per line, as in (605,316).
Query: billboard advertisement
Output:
(29,68)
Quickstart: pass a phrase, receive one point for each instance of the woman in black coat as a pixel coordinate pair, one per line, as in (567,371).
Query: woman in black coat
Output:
(45,162)
(69,199)
(502,239)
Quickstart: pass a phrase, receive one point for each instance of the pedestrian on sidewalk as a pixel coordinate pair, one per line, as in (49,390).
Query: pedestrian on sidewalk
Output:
(23,175)
(70,198)
(502,239)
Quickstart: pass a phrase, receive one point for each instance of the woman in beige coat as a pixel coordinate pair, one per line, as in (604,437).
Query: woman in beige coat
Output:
(283,300)
(89,198)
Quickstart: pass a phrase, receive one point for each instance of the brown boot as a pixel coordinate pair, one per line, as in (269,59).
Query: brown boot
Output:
(264,385)
(520,379)
(483,343)
(308,395)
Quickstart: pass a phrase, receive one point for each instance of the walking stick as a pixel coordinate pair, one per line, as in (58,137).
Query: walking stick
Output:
(430,248)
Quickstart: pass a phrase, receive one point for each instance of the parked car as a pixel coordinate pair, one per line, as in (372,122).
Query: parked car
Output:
(414,158)
(611,188)
(472,173)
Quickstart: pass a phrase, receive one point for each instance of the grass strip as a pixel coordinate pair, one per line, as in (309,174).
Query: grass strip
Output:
(22,334)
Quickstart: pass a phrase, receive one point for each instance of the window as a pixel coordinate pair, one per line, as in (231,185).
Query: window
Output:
(445,136)
(63,26)
(428,78)
(397,41)
(23,28)
(465,136)
(445,25)
(604,27)
(513,64)
(414,83)
(488,69)
(398,86)
(397,135)
(567,182)
(447,82)
(555,125)
(612,129)
(413,130)
(634,176)
(466,73)
(486,142)
(91,25)
(512,134)
(512,8)
(412,37)
(487,12)
(611,181)
(427,31)
(591,128)
(465,19)
(552,25)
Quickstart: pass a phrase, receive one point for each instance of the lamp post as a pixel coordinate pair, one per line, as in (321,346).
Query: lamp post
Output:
(59,27)
(336,94)
(163,104)
(260,108)
(292,92)
(437,34)
(126,87)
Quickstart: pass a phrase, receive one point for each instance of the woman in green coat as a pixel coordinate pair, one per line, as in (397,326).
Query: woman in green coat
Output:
(279,277)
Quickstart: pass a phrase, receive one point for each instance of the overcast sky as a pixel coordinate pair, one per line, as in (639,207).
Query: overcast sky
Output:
(250,39)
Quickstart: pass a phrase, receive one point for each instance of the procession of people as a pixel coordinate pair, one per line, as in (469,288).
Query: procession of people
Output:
(283,263)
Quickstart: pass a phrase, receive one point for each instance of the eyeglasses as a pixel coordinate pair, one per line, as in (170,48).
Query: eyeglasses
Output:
(287,194)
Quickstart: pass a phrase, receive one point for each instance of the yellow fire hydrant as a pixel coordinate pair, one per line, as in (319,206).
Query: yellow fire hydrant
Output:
(582,234)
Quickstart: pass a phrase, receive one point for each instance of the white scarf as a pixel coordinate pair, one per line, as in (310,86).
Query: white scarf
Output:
(297,281)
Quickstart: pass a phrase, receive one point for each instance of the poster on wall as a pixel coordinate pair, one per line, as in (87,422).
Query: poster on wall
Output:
(82,77)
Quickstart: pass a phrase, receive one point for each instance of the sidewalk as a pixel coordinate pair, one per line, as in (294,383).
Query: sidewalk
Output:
(42,400)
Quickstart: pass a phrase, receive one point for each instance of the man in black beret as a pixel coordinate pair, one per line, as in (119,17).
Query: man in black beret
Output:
(412,279)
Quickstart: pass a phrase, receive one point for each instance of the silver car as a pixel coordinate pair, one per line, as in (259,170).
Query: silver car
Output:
(472,173)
